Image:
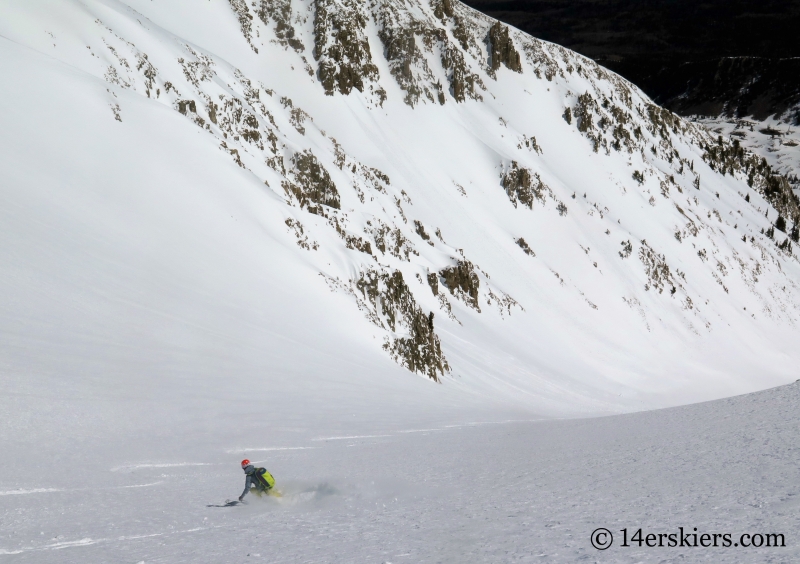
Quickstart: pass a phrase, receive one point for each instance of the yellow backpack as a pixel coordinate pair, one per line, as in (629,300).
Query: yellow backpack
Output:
(264,478)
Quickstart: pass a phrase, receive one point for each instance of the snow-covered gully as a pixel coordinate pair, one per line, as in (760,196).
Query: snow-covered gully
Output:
(399,253)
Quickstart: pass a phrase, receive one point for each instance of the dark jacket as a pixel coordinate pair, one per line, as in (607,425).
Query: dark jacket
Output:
(250,479)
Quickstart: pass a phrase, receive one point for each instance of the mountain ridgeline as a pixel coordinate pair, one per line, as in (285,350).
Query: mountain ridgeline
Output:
(715,58)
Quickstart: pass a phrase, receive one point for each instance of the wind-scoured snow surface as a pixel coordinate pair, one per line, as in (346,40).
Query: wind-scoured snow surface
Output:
(232,228)
(500,492)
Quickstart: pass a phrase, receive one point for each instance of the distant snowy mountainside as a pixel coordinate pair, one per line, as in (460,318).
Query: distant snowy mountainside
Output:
(487,210)
(777,140)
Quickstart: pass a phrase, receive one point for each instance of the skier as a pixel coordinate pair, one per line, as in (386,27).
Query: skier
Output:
(261,480)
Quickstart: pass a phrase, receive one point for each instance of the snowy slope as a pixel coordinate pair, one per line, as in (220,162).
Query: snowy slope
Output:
(300,203)
(287,230)
(509,492)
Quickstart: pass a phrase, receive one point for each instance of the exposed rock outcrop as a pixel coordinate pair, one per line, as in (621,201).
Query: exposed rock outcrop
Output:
(463,282)
(387,301)
(523,186)
(502,50)
(312,185)
(280,11)
(341,47)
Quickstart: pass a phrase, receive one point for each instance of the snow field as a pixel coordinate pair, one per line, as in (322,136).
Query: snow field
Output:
(502,491)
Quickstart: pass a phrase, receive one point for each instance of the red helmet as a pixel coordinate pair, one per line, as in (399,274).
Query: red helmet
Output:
(245,462)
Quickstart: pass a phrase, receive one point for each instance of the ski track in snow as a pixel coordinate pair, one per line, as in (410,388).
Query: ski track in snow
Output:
(88,542)
(53,490)
(350,437)
(34,491)
(505,492)
(267,449)
(158,465)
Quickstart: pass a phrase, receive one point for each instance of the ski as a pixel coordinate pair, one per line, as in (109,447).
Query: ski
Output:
(228,503)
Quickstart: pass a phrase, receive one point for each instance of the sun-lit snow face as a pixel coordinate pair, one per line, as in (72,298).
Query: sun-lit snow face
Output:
(410,179)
